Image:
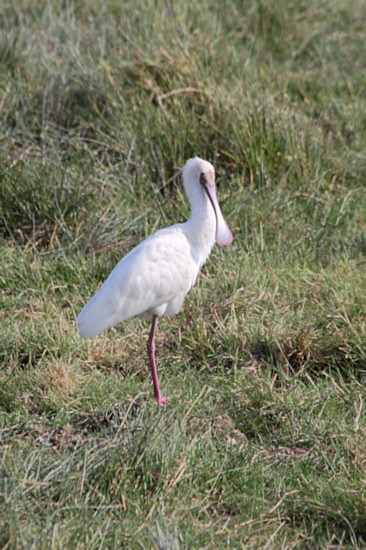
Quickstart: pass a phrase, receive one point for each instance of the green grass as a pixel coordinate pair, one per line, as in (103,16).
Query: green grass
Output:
(264,445)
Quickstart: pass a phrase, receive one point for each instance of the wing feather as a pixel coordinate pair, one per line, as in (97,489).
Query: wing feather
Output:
(159,271)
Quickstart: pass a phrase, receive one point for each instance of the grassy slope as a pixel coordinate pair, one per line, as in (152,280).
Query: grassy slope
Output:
(264,445)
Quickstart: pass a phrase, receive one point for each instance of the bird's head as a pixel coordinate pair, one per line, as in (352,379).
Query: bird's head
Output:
(198,175)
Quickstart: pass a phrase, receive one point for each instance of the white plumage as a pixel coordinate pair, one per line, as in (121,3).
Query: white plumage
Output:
(155,276)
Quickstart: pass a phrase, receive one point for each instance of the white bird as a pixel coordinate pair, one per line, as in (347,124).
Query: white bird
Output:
(155,276)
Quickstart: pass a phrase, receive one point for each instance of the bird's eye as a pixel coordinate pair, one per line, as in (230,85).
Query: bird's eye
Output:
(203,179)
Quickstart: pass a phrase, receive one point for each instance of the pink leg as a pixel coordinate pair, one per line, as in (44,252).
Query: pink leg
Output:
(151,352)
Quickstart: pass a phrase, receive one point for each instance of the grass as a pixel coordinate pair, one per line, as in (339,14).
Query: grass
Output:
(264,444)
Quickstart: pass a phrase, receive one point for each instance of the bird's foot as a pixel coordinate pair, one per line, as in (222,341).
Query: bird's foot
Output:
(163,401)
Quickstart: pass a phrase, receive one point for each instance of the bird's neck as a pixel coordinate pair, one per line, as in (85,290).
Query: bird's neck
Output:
(201,228)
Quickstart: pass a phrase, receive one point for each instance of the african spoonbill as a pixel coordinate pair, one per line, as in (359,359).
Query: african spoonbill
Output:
(155,276)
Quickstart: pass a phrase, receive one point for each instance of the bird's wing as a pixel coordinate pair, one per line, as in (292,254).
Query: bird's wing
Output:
(157,271)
